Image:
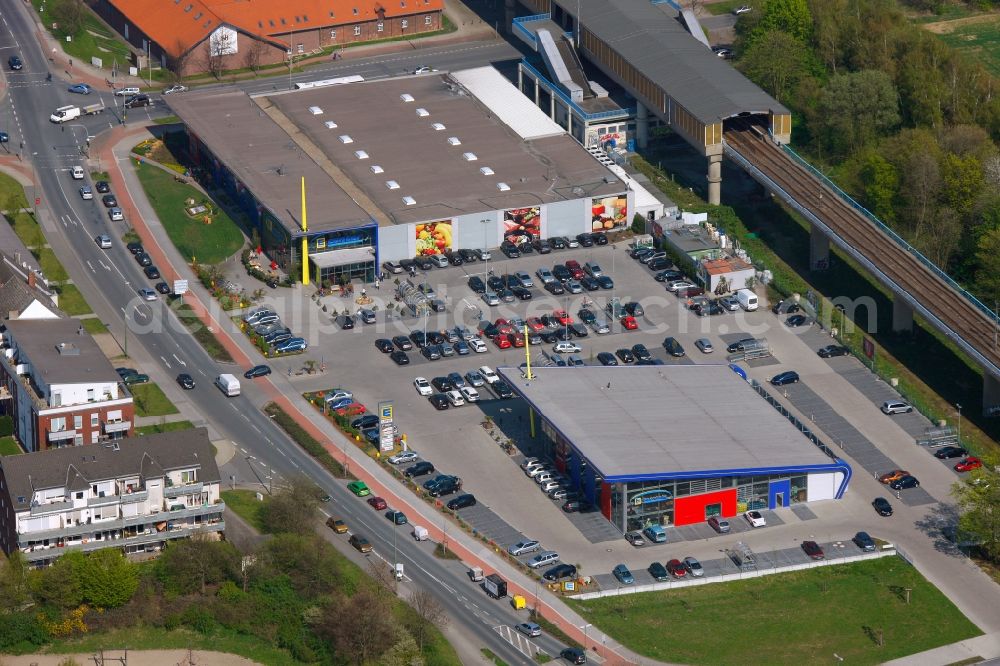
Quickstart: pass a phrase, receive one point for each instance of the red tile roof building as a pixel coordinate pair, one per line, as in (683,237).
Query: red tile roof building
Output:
(192,36)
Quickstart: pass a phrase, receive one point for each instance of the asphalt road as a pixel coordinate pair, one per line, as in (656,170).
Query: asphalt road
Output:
(109,280)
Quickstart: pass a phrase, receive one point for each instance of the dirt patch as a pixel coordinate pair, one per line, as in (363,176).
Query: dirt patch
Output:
(137,658)
(948,27)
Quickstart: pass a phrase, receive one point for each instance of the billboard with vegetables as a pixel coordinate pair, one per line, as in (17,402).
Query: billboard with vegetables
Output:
(522,225)
(433,237)
(609,213)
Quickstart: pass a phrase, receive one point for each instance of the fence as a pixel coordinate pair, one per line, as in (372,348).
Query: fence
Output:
(565,99)
(793,419)
(523,32)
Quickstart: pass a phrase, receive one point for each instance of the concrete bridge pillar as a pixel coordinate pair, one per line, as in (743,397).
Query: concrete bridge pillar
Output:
(641,125)
(819,249)
(991,394)
(715,179)
(509,12)
(902,315)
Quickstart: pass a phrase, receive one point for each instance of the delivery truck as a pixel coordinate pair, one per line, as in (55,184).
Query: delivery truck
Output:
(495,586)
(228,384)
(65,113)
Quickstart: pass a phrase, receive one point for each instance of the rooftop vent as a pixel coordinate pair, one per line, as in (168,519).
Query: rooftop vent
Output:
(346,138)
(409,201)
(453,141)
(330,124)
(315,110)
(486,171)
(377,169)
(503,187)
(469,157)
(392,185)
(438,126)
(423,113)
(406,97)
(67,349)
(360,154)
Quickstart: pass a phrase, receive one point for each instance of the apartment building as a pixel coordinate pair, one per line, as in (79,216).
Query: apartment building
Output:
(135,494)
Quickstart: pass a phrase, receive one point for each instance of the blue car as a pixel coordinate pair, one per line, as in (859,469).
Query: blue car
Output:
(337,404)
(292,345)
(80,89)
(623,575)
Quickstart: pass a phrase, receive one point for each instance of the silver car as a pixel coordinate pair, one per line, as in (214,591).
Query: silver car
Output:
(693,567)
(543,558)
(474,378)
(490,298)
(524,547)
(573,287)
(720,525)
(705,345)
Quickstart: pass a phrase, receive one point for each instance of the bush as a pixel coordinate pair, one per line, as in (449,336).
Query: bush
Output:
(6,426)
(21,632)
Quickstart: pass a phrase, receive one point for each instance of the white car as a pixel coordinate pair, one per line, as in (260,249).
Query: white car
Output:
(552,485)
(488,374)
(755,518)
(543,558)
(478,346)
(338,394)
(524,547)
(742,9)
(566,348)
(679,284)
(455,398)
(423,386)
(176,88)
(116,214)
(86,193)
(535,472)
(103,242)
(470,394)
(404,457)
(147,294)
(545,275)
(424,69)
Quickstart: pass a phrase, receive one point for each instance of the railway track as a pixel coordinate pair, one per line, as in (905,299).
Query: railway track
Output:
(960,319)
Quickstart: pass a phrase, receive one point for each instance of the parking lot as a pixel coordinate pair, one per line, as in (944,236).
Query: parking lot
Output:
(510,505)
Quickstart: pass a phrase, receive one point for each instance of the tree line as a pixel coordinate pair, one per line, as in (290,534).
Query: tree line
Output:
(901,121)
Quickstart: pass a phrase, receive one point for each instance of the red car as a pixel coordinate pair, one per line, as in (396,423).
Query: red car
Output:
(574,269)
(628,321)
(562,317)
(516,339)
(676,569)
(894,475)
(501,341)
(968,464)
(504,326)
(811,548)
(535,324)
(353,409)
(377,503)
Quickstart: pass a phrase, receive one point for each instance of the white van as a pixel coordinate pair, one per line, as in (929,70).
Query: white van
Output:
(228,384)
(128,91)
(747,299)
(65,113)
(78,173)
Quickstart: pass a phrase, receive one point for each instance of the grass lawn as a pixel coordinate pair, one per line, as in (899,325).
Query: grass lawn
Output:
(9,446)
(978,39)
(793,618)
(150,400)
(71,301)
(209,243)
(204,337)
(93,325)
(244,503)
(51,268)
(169,426)
(28,230)
(724,7)
(11,193)
(94,39)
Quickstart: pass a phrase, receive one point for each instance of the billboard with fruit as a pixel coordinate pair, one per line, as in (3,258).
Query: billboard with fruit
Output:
(522,225)
(609,213)
(433,237)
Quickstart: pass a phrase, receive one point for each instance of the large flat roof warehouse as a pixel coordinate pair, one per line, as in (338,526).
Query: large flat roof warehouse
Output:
(397,151)
(641,422)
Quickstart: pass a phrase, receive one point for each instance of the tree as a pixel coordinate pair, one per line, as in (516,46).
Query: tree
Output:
(827,30)
(107,578)
(881,182)
(777,62)
(405,652)
(942,236)
(192,564)
(59,584)
(14,589)
(791,17)
(360,627)
(857,108)
(294,505)
(978,498)
(251,60)
(430,613)
(310,563)
(70,14)
(988,264)
(963,181)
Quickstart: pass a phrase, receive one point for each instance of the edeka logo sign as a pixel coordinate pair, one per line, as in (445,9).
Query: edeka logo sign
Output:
(652,497)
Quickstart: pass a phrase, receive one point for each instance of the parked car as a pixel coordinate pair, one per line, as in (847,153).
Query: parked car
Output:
(359,488)
(968,464)
(882,506)
(720,525)
(403,457)
(377,503)
(559,572)
(524,547)
(693,567)
(863,541)
(783,378)
(658,571)
(421,468)
(704,345)
(673,347)
(904,483)
(833,350)
(574,655)
(257,371)
(529,628)
(946,452)
(894,475)
(813,550)
(623,575)
(891,407)
(755,518)
(543,558)
(676,568)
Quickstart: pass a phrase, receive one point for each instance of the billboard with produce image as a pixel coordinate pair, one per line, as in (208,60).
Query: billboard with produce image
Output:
(433,237)
(522,225)
(609,213)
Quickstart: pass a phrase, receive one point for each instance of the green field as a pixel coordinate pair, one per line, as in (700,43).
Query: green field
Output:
(794,618)
(94,39)
(71,301)
(979,40)
(11,193)
(169,426)
(150,400)
(9,446)
(208,243)
(93,325)
(724,7)
(244,503)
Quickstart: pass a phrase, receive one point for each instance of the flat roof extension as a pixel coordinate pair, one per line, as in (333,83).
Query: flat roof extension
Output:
(635,422)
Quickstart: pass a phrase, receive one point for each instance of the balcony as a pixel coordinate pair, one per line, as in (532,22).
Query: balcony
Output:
(112,427)
(61,436)
(121,523)
(134,496)
(104,500)
(51,507)
(187,489)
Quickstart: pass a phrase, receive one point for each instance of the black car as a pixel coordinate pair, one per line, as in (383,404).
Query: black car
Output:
(586,315)
(436,338)
(578,330)
(560,571)
(904,483)
(634,309)
(599,238)
(549,337)
(668,276)
(384,346)
(477,285)
(863,541)
(525,248)
(605,282)
(109,201)
(102,187)
(152,272)
(186,381)
(503,391)
(673,347)
(555,288)
(541,246)
(641,353)
(946,452)
(576,505)
(662,264)
(882,506)
(399,357)
(424,263)
(561,273)
(419,338)
(419,469)
(469,256)
(137,101)
(365,422)
(833,350)
(740,345)
(589,283)
(346,322)
(640,252)
(402,342)
(442,384)
(510,250)
(625,355)
(658,571)
(496,283)
(144,259)
(257,371)
(462,501)
(439,401)
(454,258)
(432,352)
(710,309)
(14,62)
(135,248)
(796,320)
(789,377)
(607,358)
(522,293)
(585,240)
(162,287)
(558,243)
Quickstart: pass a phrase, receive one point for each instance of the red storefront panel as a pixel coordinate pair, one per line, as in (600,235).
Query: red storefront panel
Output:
(606,499)
(689,510)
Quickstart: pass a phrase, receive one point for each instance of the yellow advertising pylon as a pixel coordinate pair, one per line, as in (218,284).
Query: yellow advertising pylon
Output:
(527,353)
(305,240)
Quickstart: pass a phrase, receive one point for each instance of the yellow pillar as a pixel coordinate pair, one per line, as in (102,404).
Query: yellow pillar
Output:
(527,352)
(305,241)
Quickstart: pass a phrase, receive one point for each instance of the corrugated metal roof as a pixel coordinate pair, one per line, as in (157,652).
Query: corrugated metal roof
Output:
(634,421)
(507,103)
(658,45)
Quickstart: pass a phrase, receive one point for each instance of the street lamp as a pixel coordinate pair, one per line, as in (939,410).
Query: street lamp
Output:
(585,627)
(486,260)
(959,422)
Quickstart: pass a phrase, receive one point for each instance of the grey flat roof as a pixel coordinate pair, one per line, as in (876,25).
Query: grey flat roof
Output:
(636,421)
(81,466)
(266,159)
(80,361)
(652,39)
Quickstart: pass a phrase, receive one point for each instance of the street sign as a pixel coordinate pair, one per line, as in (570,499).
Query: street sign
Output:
(386,432)
(180,287)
